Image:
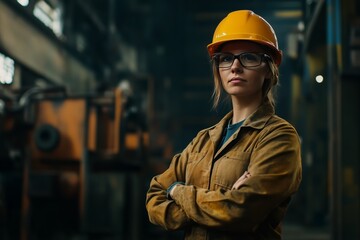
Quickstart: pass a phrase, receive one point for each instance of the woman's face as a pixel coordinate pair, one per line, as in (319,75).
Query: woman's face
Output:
(241,82)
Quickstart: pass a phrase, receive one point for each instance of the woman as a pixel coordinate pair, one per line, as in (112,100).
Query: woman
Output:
(235,179)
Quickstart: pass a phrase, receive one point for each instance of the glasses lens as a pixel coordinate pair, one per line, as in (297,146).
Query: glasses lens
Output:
(225,60)
(250,59)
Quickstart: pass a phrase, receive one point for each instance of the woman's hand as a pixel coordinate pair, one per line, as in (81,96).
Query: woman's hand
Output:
(241,180)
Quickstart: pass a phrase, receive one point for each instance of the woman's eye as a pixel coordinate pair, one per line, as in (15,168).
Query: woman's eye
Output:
(250,57)
(225,58)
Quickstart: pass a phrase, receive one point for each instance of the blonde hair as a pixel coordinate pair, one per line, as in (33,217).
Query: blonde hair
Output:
(268,89)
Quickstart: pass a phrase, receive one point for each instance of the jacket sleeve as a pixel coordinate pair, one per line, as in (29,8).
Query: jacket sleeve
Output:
(275,169)
(162,211)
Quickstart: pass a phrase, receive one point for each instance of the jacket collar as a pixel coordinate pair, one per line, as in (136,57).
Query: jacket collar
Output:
(256,120)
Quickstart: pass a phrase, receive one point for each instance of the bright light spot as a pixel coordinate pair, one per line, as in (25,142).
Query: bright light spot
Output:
(7,69)
(49,16)
(301,26)
(319,78)
(23,3)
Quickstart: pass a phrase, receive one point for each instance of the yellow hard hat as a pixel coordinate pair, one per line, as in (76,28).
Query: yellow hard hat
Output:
(246,25)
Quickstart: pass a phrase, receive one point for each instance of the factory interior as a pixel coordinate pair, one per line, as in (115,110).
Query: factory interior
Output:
(97,96)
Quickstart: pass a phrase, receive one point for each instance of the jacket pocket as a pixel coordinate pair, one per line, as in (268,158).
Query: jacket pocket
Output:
(194,159)
(194,165)
(229,168)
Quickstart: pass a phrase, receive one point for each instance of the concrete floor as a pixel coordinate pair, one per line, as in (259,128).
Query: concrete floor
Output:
(296,232)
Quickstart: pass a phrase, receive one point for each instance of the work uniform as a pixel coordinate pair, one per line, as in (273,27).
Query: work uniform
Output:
(206,207)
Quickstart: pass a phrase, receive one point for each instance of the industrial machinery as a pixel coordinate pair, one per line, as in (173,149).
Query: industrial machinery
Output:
(53,144)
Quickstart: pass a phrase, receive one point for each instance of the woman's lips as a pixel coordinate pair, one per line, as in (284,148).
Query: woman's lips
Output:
(237,80)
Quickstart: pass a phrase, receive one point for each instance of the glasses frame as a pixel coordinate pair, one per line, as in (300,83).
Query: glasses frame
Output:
(264,58)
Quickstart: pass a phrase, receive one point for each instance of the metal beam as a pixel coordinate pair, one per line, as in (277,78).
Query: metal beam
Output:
(31,47)
(259,6)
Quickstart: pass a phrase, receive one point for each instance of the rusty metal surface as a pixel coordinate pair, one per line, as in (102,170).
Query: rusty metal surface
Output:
(68,116)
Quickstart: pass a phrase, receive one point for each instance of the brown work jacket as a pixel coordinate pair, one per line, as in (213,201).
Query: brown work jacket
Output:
(207,207)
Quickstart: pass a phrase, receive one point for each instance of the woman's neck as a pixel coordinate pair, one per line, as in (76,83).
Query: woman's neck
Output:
(243,109)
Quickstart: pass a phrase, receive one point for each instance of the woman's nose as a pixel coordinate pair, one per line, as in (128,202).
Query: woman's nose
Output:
(236,66)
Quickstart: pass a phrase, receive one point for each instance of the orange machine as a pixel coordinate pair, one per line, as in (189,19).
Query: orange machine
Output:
(68,138)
